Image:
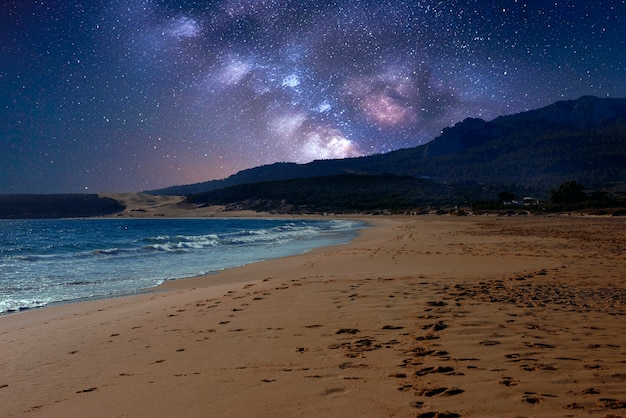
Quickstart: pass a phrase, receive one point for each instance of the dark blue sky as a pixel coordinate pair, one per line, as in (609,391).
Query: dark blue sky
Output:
(130,95)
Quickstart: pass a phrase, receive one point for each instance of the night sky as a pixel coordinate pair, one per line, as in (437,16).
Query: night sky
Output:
(131,95)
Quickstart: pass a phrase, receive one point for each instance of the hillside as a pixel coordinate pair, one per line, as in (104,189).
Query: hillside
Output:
(56,206)
(582,140)
(336,194)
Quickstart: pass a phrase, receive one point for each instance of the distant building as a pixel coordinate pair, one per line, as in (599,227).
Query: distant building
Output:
(530,201)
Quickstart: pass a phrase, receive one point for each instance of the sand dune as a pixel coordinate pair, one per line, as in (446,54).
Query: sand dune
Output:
(424,316)
(141,205)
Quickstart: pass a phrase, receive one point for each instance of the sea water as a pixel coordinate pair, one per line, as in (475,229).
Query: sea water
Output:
(48,261)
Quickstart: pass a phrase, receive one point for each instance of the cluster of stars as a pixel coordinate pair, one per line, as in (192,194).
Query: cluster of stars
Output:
(129,95)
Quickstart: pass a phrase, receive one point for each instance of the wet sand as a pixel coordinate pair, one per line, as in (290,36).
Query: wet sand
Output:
(419,316)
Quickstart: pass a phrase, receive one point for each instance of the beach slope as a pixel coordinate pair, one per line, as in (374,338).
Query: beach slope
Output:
(423,316)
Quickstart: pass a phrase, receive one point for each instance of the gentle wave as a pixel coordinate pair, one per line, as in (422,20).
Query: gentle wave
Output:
(9,306)
(182,243)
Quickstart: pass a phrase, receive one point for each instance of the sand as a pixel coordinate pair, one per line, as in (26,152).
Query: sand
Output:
(419,316)
(142,205)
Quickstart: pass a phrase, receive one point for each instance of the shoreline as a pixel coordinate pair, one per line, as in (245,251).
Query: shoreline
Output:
(225,276)
(415,316)
(214,278)
(347,236)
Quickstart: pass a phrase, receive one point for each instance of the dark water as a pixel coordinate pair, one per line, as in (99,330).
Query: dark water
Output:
(46,261)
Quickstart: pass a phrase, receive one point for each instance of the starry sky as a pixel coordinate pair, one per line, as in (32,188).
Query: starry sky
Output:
(132,95)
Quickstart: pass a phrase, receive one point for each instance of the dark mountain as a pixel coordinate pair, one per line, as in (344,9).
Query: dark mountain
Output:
(56,206)
(582,140)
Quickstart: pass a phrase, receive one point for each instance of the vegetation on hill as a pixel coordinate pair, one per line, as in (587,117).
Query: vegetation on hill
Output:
(388,193)
(568,197)
(339,194)
(571,196)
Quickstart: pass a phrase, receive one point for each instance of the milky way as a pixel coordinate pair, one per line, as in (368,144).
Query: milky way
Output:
(130,95)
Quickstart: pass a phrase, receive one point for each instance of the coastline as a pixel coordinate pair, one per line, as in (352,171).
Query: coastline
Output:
(135,255)
(417,315)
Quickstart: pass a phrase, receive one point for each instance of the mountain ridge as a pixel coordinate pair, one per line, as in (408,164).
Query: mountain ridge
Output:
(582,140)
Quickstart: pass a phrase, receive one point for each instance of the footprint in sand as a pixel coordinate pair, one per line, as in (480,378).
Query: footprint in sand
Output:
(532,399)
(424,352)
(539,345)
(610,403)
(438,326)
(437,369)
(333,391)
(392,327)
(86,390)
(509,381)
(592,366)
(439,415)
(350,365)
(430,392)
(591,391)
(427,337)
(348,331)
(535,367)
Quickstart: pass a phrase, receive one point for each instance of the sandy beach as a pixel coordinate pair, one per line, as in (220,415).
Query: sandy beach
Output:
(419,316)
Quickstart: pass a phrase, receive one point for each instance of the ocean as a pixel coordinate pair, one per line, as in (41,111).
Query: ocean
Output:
(50,261)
